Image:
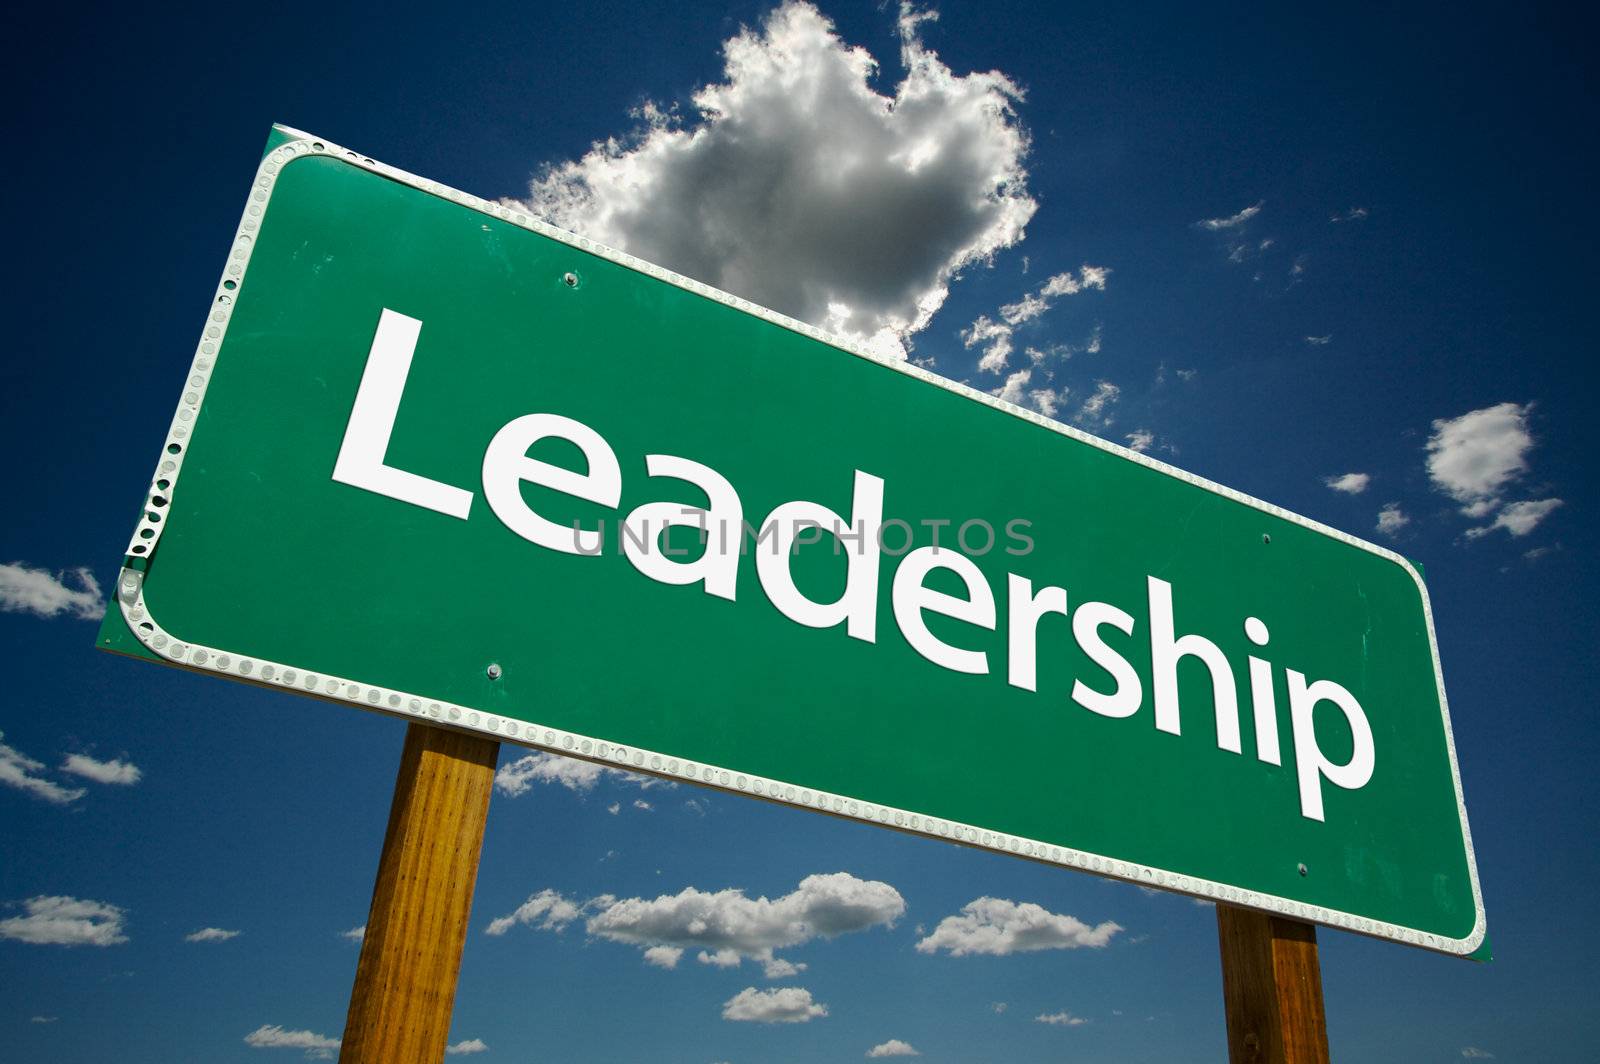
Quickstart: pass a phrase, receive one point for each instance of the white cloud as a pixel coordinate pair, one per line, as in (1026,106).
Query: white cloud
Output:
(893,1048)
(546,910)
(1034,304)
(17,770)
(641,804)
(1320,341)
(1140,440)
(1093,409)
(996,341)
(1519,518)
(1474,457)
(1391,519)
(355,934)
(468,1045)
(798,186)
(999,927)
(1354,214)
(115,771)
(614,808)
(273,1036)
(778,968)
(519,776)
(999,1006)
(1474,1053)
(722,958)
(24,589)
(63,921)
(210,934)
(1060,1019)
(663,956)
(43,1019)
(1349,483)
(1233,221)
(786,1004)
(727,925)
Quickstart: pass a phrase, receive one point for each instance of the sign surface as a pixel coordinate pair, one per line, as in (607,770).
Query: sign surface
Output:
(438,459)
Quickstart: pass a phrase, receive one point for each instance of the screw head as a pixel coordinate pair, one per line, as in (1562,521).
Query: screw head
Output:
(1303,869)
(569,279)
(493,671)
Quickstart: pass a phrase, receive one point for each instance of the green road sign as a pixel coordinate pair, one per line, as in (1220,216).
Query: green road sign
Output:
(438,459)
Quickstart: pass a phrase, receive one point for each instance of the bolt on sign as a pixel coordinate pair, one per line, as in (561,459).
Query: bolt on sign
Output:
(497,476)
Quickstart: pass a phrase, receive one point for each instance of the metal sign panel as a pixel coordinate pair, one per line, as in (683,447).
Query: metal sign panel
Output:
(438,459)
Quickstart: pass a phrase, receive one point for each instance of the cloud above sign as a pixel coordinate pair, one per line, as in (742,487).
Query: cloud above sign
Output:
(998,927)
(797,185)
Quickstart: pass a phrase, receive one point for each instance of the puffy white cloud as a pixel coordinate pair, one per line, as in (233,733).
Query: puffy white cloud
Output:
(1474,457)
(64,921)
(1519,518)
(115,771)
(728,926)
(1349,483)
(999,927)
(546,910)
(996,337)
(1140,440)
(1060,1019)
(25,589)
(519,776)
(355,934)
(1017,389)
(786,1004)
(468,1045)
(797,185)
(778,968)
(1232,221)
(210,934)
(996,340)
(893,1048)
(1034,304)
(274,1036)
(663,956)
(1093,411)
(1391,519)
(725,927)
(18,770)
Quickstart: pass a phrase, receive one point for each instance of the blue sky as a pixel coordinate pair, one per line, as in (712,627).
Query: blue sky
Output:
(1274,249)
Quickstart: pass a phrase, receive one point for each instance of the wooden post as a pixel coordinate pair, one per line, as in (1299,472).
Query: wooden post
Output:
(406,979)
(1271,989)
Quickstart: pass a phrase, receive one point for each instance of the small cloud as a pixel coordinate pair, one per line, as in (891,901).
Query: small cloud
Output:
(1140,440)
(63,921)
(1298,267)
(1519,518)
(893,1048)
(1060,1019)
(1320,341)
(1391,519)
(641,804)
(999,927)
(1232,221)
(469,1045)
(1539,552)
(1354,214)
(614,808)
(1349,483)
(122,773)
(518,777)
(999,1006)
(20,771)
(1093,410)
(1474,1053)
(355,934)
(25,589)
(546,910)
(274,1036)
(1187,374)
(663,956)
(1475,457)
(696,806)
(722,958)
(779,968)
(787,1004)
(43,1019)
(210,934)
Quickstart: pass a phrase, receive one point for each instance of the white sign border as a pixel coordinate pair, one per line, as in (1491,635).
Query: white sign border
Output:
(136,612)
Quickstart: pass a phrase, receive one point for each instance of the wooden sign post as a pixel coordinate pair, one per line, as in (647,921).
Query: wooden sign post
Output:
(1271,989)
(406,979)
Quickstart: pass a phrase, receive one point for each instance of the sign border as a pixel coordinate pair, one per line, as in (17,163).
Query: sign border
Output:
(288,145)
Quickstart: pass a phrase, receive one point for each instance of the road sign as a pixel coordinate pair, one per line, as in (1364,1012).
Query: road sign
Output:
(438,459)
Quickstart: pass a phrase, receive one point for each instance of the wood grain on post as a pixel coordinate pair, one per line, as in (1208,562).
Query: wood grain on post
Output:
(1271,989)
(406,979)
